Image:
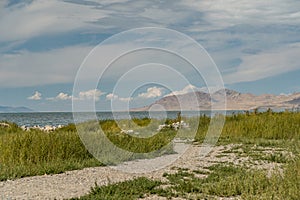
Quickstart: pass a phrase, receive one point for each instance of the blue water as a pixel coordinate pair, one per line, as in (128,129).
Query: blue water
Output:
(64,118)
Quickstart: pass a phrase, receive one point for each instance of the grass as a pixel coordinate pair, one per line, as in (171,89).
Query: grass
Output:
(136,144)
(224,181)
(30,153)
(255,132)
(35,153)
(133,189)
(267,125)
(102,142)
(267,129)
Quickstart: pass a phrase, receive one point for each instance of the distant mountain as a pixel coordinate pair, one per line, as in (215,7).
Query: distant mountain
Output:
(189,101)
(8,109)
(295,101)
(234,101)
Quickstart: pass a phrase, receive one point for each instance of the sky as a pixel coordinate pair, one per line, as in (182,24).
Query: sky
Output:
(44,45)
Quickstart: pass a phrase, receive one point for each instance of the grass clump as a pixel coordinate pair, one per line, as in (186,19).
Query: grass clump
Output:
(136,144)
(142,122)
(223,181)
(264,126)
(112,146)
(228,181)
(133,189)
(36,153)
(11,128)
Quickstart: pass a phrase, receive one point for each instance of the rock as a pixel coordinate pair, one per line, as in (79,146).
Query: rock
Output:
(175,126)
(5,125)
(36,127)
(47,128)
(127,131)
(160,127)
(25,128)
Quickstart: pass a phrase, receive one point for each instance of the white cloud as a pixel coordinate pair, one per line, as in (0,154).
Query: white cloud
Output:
(90,95)
(45,17)
(63,96)
(112,96)
(39,68)
(3,3)
(40,18)
(191,88)
(51,17)
(152,92)
(220,14)
(266,64)
(186,89)
(125,99)
(163,15)
(36,96)
(60,96)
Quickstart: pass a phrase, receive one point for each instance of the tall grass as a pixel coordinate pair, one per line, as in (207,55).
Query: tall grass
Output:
(266,125)
(36,152)
(29,153)
(109,144)
(137,144)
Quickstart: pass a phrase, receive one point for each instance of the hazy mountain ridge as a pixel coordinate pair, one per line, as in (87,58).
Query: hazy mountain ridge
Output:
(234,101)
(295,101)
(9,109)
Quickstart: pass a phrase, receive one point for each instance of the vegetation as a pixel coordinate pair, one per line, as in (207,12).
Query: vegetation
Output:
(255,126)
(146,144)
(224,181)
(231,181)
(254,131)
(36,152)
(132,189)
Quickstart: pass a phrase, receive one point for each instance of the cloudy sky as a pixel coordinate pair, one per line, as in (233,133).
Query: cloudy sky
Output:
(255,45)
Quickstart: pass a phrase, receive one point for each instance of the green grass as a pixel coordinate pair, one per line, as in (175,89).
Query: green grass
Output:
(133,189)
(36,153)
(136,144)
(255,132)
(267,129)
(223,181)
(267,125)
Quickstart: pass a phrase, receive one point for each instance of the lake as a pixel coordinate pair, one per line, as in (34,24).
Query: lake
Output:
(64,118)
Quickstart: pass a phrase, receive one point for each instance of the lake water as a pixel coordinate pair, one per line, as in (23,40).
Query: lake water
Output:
(64,118)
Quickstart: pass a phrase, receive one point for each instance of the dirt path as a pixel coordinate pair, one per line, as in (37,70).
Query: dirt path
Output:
(79,182)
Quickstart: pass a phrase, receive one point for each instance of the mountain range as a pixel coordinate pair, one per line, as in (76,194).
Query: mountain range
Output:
(9,109)
(234,101)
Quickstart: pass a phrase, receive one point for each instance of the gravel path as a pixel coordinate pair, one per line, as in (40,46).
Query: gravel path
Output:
(79,182)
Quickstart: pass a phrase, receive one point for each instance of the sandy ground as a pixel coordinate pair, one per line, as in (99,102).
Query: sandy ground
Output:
(79,182)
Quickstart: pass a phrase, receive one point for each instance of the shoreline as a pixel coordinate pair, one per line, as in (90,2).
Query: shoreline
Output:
(65,118)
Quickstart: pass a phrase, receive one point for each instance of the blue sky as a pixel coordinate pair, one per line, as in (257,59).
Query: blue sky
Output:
(255,44)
